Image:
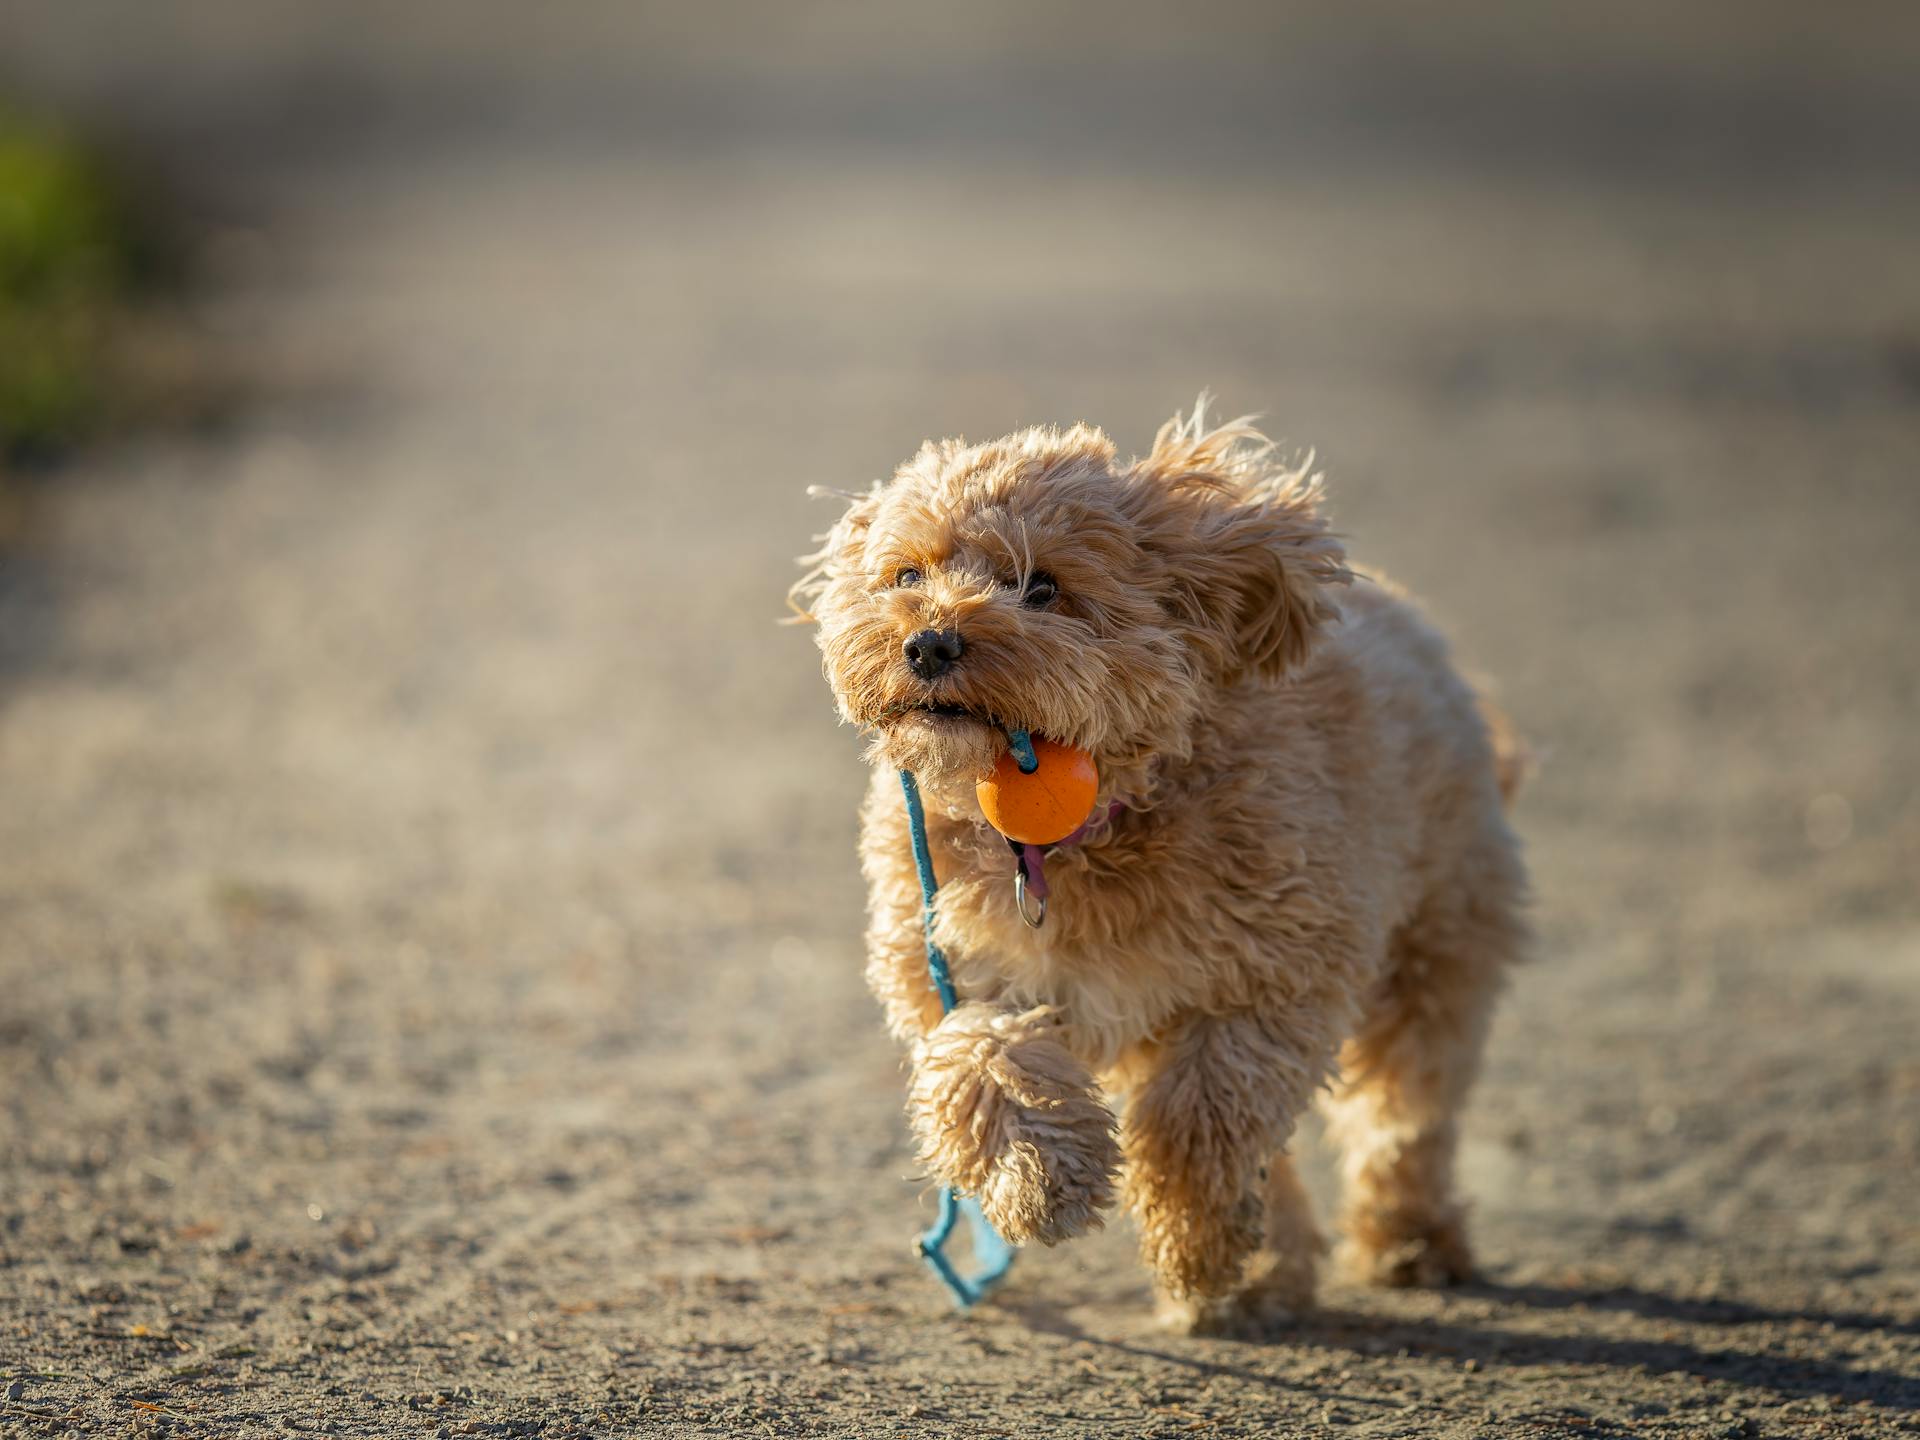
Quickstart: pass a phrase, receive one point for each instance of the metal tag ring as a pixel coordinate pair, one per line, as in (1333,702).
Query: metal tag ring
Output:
(1033,922)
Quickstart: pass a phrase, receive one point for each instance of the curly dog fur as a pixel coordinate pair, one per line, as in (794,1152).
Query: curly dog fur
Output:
(1311,883)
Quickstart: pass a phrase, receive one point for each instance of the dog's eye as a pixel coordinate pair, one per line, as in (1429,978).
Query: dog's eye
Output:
(907,578)
(1040,590)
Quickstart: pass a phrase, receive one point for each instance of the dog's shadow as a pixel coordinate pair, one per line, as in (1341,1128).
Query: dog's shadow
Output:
(1355,1332)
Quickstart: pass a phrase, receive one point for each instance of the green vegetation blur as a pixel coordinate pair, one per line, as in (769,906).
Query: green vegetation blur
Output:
(68,261)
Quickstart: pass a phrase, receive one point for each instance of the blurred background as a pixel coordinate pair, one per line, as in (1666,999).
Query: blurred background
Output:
(429,964)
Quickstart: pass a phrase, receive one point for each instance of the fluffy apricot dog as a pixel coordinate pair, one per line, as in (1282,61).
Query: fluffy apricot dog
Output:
(1307,880)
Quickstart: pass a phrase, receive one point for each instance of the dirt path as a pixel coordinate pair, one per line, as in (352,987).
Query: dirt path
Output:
(429,994)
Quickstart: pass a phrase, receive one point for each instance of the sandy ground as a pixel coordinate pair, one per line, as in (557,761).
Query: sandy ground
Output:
(429,994)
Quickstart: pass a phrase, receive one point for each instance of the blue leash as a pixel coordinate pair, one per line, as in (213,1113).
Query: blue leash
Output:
(991,1250)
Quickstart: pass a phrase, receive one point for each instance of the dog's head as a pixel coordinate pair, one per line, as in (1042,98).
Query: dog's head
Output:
(1038,583)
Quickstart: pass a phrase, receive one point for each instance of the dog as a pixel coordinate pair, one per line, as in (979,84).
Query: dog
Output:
(1300,875)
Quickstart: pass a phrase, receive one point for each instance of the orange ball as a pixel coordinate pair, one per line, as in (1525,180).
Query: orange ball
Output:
(1046,806)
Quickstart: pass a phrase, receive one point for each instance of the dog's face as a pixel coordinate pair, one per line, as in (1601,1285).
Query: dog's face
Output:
(1036,583)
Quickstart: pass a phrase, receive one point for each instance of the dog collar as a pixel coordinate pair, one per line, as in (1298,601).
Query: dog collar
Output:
(1030,867)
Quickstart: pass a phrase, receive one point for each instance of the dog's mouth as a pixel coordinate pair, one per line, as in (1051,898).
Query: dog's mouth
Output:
(945,719)
(940,738)
(945,711)
(941,722)
(941,715)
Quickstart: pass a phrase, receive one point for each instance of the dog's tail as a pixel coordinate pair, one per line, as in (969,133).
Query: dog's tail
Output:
(1513,760)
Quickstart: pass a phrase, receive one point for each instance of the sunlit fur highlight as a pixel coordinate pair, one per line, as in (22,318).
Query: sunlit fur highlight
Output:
(1310,887)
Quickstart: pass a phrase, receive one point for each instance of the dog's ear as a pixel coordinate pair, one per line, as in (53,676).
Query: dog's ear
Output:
(1248,557)
(840,549)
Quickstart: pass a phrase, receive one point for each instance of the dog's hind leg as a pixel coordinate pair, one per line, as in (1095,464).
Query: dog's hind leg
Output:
(1404,1076)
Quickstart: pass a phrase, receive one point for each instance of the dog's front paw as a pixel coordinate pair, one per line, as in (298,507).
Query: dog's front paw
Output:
(1252,1314)
(1400,1253)
(1274,1290)
(1003,1111)
(1194,1239)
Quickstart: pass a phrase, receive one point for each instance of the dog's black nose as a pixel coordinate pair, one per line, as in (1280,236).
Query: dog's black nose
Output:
(931,653)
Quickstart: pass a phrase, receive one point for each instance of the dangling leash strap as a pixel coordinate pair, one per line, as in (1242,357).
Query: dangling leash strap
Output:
(991,1251)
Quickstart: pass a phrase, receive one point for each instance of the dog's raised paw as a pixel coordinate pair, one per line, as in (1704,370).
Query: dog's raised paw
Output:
(1004,1112)
(1036,1197)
